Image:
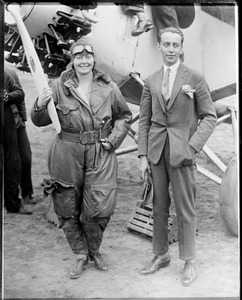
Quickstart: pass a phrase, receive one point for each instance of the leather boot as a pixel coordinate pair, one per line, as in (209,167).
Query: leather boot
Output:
(142,26)
(99,261)
(81,264)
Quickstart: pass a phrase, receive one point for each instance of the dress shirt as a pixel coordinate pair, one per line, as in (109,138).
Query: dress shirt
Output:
(173,71)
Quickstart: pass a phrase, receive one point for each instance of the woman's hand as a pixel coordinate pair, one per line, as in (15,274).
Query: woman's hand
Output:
(144,166)
(106,144)
(45,97)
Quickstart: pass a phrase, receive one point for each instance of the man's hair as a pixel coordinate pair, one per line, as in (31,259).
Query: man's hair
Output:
(170,29)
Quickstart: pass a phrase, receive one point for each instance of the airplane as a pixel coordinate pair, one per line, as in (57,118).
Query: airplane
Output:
(38,38)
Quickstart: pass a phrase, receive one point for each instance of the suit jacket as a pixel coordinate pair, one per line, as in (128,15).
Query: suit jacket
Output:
(188,122)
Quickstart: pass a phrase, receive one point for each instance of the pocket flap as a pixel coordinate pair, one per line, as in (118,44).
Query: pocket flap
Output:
(103,189)
(66,108)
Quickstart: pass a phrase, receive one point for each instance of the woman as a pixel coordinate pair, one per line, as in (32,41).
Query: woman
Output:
(94,119)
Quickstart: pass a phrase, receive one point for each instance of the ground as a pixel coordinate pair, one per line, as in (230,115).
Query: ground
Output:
(37,258)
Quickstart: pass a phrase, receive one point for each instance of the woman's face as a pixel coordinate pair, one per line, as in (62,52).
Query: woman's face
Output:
(83,62)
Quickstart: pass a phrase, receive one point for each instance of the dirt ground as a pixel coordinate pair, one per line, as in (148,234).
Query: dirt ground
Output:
(37,259)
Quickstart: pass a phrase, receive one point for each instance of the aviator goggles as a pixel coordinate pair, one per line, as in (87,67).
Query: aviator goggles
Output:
(80,48)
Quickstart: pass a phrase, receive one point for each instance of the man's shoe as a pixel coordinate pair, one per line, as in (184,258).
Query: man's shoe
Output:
(142,26)
(155,265)
(189,273)
(81,264)
(24,211)
(99,261)
(28,199)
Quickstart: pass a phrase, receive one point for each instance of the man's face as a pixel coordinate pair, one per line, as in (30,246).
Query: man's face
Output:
(170,47)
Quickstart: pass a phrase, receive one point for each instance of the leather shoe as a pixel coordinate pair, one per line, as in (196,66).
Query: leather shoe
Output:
(189,273)
(81,264)
(28,199)
(142,26)
(99,261)
(155,265)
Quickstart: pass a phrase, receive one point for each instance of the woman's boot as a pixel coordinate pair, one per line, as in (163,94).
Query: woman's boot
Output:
(100,263)
(80,265)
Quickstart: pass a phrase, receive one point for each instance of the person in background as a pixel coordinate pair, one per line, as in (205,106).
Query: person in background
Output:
(13,94)
(20,116)
(177,116)
(143,24)
(95,119)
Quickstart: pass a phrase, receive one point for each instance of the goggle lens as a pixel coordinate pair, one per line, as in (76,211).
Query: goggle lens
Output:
(80,48)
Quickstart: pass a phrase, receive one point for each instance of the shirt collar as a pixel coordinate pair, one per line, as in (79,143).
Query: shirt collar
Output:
(173,68)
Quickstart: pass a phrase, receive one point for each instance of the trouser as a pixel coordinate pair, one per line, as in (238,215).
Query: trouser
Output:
(12,163)
(183,184)
(84,207)
(164,16)
(83,233)
(26,161)
(84,236)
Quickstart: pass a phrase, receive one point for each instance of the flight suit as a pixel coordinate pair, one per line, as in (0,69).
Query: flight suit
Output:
(83,180)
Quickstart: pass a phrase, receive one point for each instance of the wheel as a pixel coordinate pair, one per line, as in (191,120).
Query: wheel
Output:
(228,197)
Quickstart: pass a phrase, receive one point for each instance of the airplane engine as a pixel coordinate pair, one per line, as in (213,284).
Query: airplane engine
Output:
(53,29)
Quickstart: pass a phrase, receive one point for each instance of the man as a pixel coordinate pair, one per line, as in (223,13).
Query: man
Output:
(13,94)
(169,138)
(143,24)
(20,116)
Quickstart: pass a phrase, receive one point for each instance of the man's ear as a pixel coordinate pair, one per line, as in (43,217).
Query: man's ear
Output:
(158,45)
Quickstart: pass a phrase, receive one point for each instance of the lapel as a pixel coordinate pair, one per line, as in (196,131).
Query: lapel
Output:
(99,94)
(180,78)
(71,84)
(159,79)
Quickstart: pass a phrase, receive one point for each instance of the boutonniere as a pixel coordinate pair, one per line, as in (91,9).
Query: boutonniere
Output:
(188,90)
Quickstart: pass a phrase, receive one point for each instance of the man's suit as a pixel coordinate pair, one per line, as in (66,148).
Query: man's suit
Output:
(170,134)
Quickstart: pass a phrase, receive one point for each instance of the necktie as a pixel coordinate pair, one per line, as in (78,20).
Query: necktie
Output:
(165,85)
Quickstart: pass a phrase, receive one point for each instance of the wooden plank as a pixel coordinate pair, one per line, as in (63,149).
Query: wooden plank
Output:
(143,218)
(172,236)
(142,224)
(148,223)
(140,230)
(150,220)
(148,207)
(144,212)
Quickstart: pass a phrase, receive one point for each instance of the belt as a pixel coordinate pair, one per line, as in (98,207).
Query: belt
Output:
(85,137)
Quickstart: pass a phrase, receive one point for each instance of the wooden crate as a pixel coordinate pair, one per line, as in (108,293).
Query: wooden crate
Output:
(142,222)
